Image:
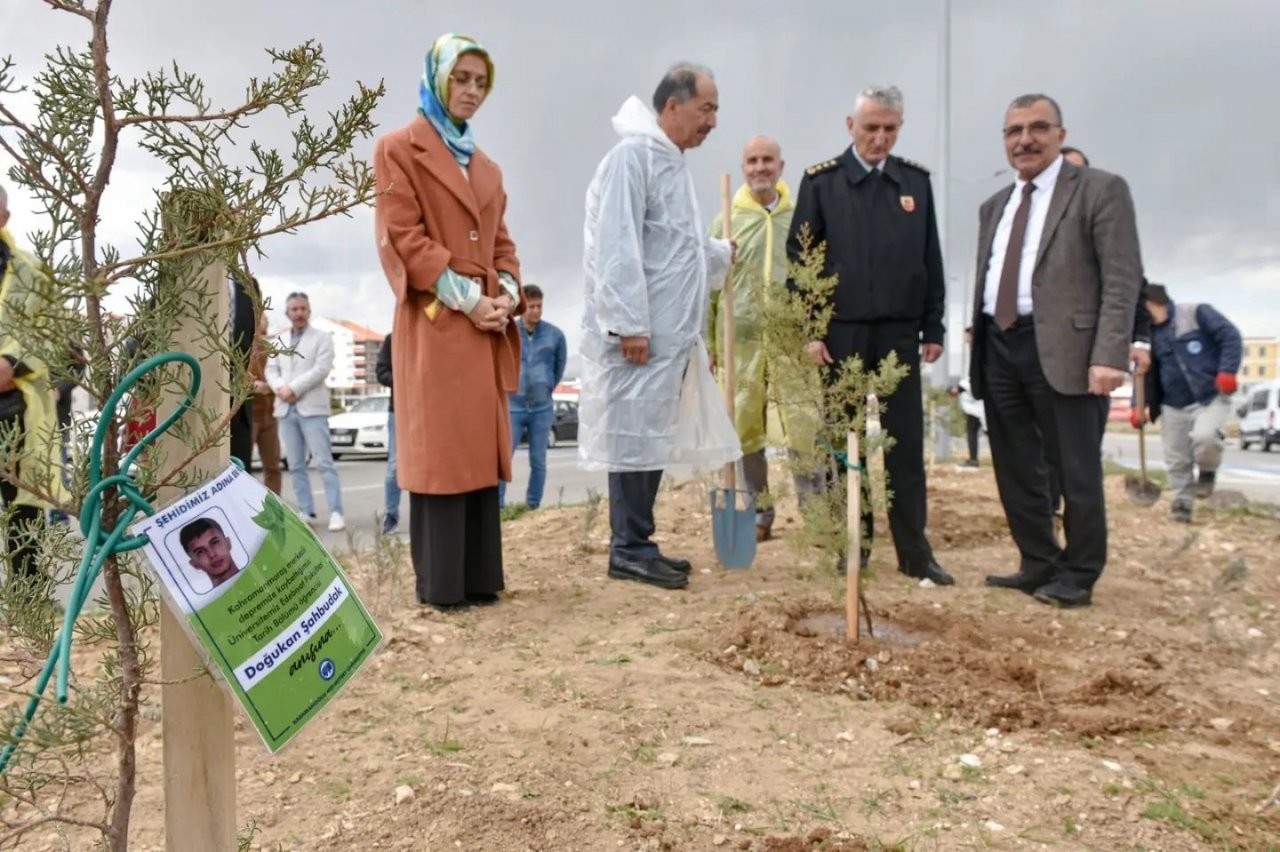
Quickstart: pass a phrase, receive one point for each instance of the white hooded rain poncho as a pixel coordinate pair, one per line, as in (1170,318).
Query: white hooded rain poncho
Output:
(649,269)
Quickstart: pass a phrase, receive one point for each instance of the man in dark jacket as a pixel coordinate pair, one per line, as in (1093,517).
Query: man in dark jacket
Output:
(391,516)
(1196,355)
(875,213)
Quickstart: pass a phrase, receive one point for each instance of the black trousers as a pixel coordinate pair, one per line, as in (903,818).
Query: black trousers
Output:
(242,433)
(1033,428)
(631,499)
(902,418)
(456,544)
(973,428)
(25,522)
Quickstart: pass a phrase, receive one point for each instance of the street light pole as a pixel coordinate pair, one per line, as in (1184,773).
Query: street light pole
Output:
(942,186)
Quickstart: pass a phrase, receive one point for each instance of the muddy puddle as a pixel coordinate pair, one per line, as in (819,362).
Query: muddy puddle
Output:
(832,624)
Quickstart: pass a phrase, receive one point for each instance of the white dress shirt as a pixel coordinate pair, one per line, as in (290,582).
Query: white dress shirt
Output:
(1045,183)
(878,167)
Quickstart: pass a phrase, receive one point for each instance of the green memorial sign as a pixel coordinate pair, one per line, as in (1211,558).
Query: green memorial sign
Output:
(267,605)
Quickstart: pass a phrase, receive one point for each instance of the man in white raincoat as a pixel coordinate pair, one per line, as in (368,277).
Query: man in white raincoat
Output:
(649,270)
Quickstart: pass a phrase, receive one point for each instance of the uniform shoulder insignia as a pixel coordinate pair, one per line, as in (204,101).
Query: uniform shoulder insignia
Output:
(913,164)
(824,166)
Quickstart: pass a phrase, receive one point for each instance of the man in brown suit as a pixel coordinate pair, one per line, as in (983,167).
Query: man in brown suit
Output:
(1059,271)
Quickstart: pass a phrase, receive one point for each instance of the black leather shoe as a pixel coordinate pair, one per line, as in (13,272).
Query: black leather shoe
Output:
(681,565)
(449,607)
(1063,595)
(482,598)
(1023,581)
(933,572)
(864,559)
(649,571)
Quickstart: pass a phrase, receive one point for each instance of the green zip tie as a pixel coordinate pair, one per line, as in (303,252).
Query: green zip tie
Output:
(842,458)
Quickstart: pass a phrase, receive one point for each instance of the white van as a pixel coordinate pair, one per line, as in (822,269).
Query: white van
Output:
(1260,421)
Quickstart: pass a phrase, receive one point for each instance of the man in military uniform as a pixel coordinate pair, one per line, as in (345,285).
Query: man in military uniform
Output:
(875,214)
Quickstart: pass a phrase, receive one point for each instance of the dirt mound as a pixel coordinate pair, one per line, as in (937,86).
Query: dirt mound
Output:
(994,674)
(583,714)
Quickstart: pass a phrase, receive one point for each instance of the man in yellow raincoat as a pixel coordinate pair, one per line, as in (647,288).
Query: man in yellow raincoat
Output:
(26,400)
(760,219)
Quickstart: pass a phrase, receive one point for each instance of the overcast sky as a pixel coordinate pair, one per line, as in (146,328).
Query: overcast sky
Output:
(1171,94)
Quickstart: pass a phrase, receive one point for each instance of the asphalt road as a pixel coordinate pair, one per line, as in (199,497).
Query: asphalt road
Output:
(363,489)
(1253,472)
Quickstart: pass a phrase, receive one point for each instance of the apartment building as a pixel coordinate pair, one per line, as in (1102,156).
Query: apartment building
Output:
(355,359)
(1261,360)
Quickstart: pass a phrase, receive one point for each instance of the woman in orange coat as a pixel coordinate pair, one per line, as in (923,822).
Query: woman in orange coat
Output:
(446,252)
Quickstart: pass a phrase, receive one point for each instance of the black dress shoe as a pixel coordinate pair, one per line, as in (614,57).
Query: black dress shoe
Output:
(1024,581)
(649,571)
(864,559)
(1063,595)
(933,572)
(681,565)
(449,607)
(482,598)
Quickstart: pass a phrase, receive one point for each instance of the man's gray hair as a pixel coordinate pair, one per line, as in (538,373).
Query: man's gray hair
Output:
(1024,101)
(680,82)
(889,97)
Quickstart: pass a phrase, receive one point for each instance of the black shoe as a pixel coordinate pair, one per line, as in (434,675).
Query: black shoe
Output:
(389,524)
(1180,513)
(450,607)
(482,598)
(970,463)
(864,560)
(1063,595)
(1204,487)
(933,572)
(649,571)
(681,565)
(1024,581)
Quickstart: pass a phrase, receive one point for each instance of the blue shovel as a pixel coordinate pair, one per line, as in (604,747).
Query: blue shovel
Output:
(733,528)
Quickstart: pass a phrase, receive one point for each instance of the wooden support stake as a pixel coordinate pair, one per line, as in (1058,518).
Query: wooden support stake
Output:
(199,742)
(853,553)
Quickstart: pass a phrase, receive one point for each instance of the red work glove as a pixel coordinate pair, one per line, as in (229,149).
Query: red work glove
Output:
(1226,383)
(1137,418)
(137,427)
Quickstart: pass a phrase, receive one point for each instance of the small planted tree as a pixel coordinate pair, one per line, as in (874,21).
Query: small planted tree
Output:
(221,193)
(820,406)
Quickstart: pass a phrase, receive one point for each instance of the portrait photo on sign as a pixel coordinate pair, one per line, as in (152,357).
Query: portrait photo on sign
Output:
(209,553)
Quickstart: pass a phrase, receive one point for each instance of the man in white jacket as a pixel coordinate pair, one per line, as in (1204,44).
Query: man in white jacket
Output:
(302,408)
(649,268)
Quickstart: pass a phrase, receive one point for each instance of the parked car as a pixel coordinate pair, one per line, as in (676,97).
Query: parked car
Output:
(1260,421)
(361,430)
(565,427)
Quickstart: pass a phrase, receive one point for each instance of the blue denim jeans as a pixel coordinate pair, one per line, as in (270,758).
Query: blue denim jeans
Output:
(393,487)
(300,435)
(536,425)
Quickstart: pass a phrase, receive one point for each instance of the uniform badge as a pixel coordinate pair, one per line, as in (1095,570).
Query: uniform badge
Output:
(908,203)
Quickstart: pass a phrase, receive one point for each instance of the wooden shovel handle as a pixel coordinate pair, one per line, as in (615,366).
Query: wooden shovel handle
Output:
(726,307)
(1139,396)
